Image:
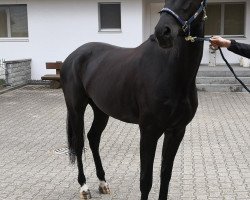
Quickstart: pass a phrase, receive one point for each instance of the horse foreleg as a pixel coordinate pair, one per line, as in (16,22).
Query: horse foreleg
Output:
(94,136)
(171,144)
(148,143)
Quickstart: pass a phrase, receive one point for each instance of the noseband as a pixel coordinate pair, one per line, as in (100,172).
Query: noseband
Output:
(186,24)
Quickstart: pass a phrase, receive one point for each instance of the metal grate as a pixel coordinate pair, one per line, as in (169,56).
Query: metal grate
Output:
(65,151)
(62,151)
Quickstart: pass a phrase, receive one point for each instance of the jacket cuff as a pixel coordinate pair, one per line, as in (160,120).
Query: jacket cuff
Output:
(233,43)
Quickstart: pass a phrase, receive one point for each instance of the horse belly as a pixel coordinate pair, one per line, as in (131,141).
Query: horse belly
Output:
(118,111)
(116,103)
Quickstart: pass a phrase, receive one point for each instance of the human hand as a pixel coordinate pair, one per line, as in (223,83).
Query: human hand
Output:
(217,41)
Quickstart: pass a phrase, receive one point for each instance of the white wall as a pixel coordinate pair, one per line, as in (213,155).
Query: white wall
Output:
(56,28)
(147,23)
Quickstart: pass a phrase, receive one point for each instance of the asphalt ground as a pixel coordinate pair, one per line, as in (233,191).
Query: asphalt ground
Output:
(213,161)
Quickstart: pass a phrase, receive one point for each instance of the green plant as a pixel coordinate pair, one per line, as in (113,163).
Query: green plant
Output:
(2,81)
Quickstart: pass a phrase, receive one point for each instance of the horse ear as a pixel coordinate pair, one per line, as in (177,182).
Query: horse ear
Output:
(152,38)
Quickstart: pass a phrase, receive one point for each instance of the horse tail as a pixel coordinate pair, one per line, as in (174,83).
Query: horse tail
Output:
(76,102)
(75,136)
(71,140)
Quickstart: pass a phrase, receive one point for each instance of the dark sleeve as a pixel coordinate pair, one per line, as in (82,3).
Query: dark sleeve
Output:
(240,48)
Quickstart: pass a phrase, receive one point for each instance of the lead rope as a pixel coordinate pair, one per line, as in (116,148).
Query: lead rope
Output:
(231,69)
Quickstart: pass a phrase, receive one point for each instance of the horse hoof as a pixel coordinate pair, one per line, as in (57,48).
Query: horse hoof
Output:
(85,195)
(104,188)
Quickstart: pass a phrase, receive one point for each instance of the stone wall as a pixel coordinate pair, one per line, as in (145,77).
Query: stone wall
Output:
(18,72)
(2,70)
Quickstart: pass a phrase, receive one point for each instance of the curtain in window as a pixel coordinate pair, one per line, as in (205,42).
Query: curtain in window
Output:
(110,16)
(234,19)
(3,23)
(226,19)
(18,21)
(213,23)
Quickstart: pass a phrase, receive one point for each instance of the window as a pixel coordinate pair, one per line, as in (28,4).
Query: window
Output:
(109,16)
(13,21)
(227,19)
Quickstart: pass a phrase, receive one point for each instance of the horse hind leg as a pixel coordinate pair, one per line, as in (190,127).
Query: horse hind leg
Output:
(94,137)
(76,102)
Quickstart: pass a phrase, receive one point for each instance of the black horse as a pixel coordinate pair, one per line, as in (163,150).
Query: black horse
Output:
(152,85)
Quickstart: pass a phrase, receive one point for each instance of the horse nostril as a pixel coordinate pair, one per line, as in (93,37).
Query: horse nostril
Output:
(167,31)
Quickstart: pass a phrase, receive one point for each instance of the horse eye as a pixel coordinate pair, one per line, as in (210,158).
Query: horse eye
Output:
(186,6)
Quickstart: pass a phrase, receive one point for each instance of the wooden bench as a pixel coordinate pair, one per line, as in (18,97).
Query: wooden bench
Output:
(54,78)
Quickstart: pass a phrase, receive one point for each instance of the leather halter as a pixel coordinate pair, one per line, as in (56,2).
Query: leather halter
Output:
(186,24)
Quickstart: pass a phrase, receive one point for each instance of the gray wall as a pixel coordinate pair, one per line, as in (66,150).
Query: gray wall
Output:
(18,72)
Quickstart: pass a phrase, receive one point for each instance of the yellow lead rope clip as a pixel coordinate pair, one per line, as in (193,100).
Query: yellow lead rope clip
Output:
(190,38)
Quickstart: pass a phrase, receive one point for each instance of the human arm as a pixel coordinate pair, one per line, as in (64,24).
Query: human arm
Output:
(231,45)
(240,48)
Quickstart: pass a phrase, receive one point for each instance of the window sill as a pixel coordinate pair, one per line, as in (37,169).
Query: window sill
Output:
(230,36)
(14,39)
(111,30)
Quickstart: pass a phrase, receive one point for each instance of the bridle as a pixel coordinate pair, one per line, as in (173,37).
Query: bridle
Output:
(186,24)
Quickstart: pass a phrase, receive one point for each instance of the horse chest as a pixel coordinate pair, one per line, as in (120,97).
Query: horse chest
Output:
(178,112)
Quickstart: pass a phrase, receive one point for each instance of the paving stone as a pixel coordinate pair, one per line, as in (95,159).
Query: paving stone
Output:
(213,161)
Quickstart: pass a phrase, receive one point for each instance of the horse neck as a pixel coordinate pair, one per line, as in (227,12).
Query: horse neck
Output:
(187,57)
(190,56)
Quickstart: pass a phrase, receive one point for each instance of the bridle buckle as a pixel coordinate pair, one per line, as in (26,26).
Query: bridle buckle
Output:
(185,27)
(204,14)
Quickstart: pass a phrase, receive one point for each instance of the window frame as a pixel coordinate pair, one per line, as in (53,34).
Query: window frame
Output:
(114,30)
(9,38)
(222,28)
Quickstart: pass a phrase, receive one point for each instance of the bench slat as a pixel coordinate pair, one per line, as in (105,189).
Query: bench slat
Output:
(54,65)
(51,77)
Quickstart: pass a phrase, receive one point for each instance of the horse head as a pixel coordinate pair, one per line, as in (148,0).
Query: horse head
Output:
(178,19)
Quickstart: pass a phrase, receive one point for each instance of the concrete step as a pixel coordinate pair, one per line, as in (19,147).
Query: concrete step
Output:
(221,87)
(221,80)
(222,71)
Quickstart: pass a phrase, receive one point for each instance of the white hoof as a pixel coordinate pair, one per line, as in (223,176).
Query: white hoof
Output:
(104,188)
(85,193)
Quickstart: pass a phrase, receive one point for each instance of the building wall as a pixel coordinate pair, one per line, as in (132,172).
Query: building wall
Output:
(2,71)
(56,28)
(147,16)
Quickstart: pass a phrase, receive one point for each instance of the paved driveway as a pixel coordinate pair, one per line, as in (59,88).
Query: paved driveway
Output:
(213,161)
